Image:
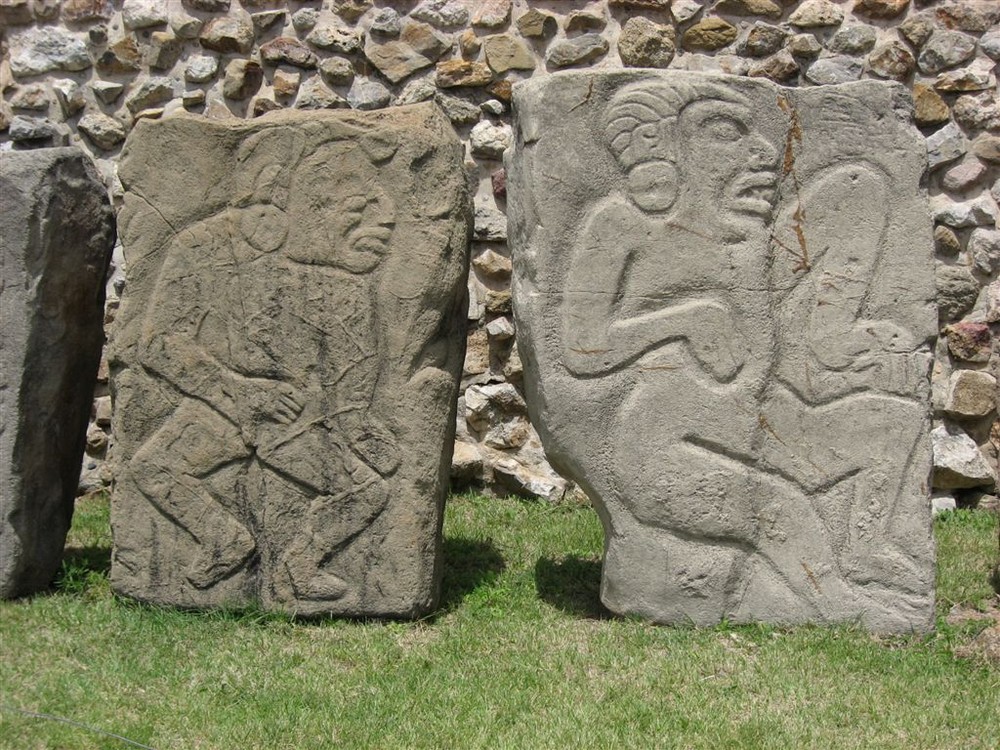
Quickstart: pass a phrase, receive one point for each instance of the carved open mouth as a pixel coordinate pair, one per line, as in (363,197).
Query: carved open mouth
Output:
(371,240)
(756,192)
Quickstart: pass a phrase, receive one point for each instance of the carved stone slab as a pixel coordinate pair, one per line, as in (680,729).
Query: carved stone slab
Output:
(56,236)
(286,367)
(724,297)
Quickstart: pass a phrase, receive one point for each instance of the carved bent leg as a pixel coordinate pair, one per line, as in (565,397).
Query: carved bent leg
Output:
(173,471)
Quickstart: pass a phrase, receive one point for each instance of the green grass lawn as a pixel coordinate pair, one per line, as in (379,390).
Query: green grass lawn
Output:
(521,655)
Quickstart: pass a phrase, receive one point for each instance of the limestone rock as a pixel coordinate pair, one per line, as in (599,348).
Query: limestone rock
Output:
(285,83)
(989,43)
(386,23)
(142,14)
(891,60)
(984,247)
(37,131)
(418,47)
(709,34)
(103,131)
(880,8)
(314,94)
(121,57)
(945,49)
(816,13)
(963,175)
(16,12)
(577,51)
(335,39)
(288,51)
(444,14)
(644,44)
(585,20)
(987,147)
(286,361)
(56,236)
(491,14)
(780,67)
(831,70)
(804,45)
(350,10)
(973,78)
(928,106)
(646,4)
(201,68)
(456,109)
(453,73)
(969,342)
(149,93)
(818,452)
(958,463)
(228,34)
(70,96)
(537,25)
(337,71)
(685,10)
(974,213)
(946,241)
(504,52)
(917,29)
(763,39)
(106,92)
(366,94)
(856,39)
(945,145)
(242,80)
(489,140)
(39,50)
(978,111)
(34,98)
(490,224)
(971,394)
(207,6)
(767,8)
(974,16)
(957,290)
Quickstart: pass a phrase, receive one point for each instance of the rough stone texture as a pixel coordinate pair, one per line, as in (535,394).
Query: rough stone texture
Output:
(56,235)
(958,464)
(644,44)
(577,51)
(286,363)
(122,61)
(710,349)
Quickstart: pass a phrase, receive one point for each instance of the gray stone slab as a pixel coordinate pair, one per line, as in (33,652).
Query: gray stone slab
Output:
(286,360)
(724,295)
(56,235)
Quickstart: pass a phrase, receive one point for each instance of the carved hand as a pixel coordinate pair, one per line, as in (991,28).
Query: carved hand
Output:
(262,399)
(716,342)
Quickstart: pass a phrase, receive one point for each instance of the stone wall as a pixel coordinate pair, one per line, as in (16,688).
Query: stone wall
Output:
(84,71)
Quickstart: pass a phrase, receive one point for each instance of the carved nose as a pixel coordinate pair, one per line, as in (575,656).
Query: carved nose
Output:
(762,154)
(380,209)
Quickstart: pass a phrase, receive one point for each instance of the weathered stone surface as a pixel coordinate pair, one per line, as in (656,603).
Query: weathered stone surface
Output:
(350,10)
(963,175)
(880,8)
(762,40)
(418,47)
(917,29)
(56,236)
(709,34)
(946,241)
(804,45)
(978,212)
(286,362)
(685,10)
(978,111)
(577,51)
(968,15)
(386,23)
(586,20)
(228,34)
(121,57)
(987,147)
(142,14)
(970,342)
(150,93)
(928,106)
(335,39)
(286,83)
(289,51)
(644,44)
(201,68)
(891,60)
(767,8)
(445,14)
(242,80)
(337,71)
(945,49)
(537,25)
(38,131)
(453,73)
(984,248)
(971,394)
(831,70)
(974,78)
(816,13)
(103,131)
(780,67)
(945,145)
(491,14)
(39,50)
(366,94)
(957,290)
(315,94)
(856,39)
(709,351)
(958,464)
(489,140)
(505,53)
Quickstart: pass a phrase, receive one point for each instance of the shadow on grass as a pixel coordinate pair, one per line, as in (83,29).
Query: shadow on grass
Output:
(468,564)
(80,566)
(573,585)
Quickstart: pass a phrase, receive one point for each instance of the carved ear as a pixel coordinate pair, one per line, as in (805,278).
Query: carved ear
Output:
(653,185)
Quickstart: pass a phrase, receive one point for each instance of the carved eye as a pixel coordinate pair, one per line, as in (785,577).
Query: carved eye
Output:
(724,128)
(354,204)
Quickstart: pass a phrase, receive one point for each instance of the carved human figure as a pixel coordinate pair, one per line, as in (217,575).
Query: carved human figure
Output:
(725,478)
(279,414)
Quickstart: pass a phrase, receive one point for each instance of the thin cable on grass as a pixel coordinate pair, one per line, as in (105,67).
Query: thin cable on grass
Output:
(52,717)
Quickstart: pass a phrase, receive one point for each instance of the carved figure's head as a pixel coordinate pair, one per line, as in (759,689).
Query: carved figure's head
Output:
(341,213)
(684,147)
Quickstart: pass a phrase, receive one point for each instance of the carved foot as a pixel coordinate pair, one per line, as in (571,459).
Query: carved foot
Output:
(226,552)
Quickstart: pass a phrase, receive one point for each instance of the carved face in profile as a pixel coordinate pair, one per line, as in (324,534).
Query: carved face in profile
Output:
(727,166)
(342,216)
